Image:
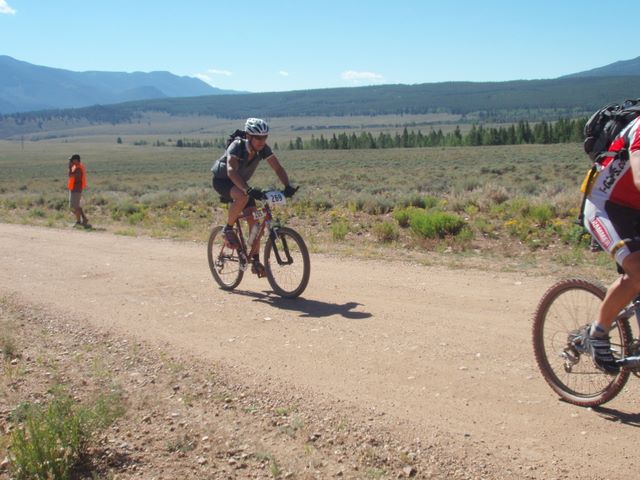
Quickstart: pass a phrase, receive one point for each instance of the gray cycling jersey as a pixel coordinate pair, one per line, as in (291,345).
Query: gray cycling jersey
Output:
(239,148)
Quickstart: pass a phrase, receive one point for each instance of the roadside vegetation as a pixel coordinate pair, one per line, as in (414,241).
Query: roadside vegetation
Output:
(77,402)
(491,199)
(50,435)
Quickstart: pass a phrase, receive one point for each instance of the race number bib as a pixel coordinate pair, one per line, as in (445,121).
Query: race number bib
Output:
(275,198)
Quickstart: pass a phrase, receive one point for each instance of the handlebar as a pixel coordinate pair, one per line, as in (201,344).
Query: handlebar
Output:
(278,197)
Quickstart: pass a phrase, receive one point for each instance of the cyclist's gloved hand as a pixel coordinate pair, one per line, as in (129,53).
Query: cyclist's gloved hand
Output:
(255,193)
(289,191)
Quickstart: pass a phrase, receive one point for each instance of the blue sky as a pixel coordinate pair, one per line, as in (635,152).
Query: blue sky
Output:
(281,45)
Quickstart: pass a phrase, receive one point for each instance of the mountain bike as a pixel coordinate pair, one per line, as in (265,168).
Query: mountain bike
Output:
(561,322)
(286,257)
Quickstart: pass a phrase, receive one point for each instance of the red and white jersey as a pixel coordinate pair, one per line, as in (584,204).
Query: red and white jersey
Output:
(615,181)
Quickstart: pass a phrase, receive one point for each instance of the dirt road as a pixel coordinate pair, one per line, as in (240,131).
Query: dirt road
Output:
(427,351)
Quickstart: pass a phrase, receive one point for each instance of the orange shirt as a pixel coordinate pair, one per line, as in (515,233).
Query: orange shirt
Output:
(77,171)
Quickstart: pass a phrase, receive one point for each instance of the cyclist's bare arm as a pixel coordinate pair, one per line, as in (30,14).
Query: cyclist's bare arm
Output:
(279,169)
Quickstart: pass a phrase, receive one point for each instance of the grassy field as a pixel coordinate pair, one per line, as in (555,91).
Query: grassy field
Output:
(159,126)
(505,201)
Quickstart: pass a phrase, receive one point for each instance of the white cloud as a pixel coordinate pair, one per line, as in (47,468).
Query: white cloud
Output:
(283,73)
(225,73)
(359,77)
(203,77)
(209,74)
(5,8)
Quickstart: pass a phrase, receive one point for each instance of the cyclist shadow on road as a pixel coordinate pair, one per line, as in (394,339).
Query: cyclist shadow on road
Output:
(308,308)
(613,415)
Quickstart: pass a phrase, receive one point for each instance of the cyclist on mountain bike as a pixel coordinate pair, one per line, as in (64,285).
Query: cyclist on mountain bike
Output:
(235,167)
(612,215)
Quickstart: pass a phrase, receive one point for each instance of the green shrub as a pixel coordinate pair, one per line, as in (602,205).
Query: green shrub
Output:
(435,224)
(128,209)
(541,214)
(430,201)
(57,203)
(339,230)
(386,231)
(402,217)
(412,200)
(576,235)
(8,346)
(37,213)
(485,227)
(50,443)
(135,217)
(465,235)
(52,438)
(181,223)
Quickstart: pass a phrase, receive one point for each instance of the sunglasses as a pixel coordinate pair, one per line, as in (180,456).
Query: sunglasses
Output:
(261,138)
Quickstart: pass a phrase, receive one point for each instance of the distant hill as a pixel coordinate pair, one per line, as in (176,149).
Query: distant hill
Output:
(26,87)
(621,68)
(479,102)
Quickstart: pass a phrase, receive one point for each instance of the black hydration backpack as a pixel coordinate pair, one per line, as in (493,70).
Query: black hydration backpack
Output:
(605,125)
(220,165)
(237,134)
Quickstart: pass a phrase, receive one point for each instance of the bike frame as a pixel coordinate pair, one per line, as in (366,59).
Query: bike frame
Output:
(633,309)
(264,218)
(286,258)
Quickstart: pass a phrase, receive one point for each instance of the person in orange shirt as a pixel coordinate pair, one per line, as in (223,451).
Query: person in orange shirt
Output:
(76,184)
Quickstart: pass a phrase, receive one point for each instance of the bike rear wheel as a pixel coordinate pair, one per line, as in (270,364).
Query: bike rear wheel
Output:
(224,262)
(564,310)
(286,260)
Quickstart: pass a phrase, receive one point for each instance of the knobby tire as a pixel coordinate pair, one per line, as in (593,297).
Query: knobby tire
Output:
(224,262)
(566,307)
(288,281)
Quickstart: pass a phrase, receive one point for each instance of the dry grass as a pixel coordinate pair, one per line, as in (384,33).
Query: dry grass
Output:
(513,200)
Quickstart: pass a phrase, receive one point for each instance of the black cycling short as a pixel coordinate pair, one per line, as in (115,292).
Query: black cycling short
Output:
(223,186)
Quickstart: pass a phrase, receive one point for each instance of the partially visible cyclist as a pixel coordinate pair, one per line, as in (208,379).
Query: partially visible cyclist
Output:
(612,215)
(232,172)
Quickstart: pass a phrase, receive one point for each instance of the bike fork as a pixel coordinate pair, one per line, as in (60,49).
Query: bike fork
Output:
(632,361)
(273,236)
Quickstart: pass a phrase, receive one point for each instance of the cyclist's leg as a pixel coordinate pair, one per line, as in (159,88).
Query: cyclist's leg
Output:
(232,195)
(614,227)
(238,204)
(224,187)
(622,291)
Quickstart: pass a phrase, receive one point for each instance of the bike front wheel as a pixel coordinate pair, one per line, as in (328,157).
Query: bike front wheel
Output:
(224,262)
(564,312)
(286,260)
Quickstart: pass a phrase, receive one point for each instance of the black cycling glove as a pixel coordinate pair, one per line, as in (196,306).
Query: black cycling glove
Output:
(289,191)
(255,193)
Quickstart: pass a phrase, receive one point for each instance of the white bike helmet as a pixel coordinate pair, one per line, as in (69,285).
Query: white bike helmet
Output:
(256,126)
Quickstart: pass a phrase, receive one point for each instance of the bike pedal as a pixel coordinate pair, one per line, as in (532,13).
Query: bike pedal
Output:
(259,270)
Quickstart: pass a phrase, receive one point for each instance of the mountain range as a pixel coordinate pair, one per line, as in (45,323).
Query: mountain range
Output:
(621,68)
(98,96)
(28,87)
